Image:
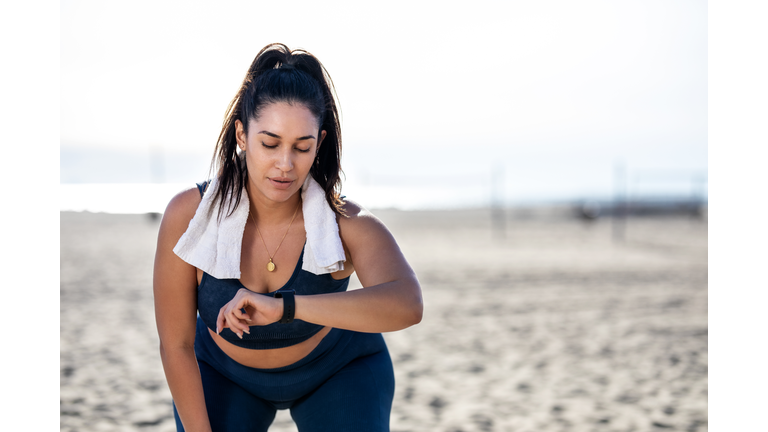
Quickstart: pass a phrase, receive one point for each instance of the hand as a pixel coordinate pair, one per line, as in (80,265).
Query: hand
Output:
(259,310)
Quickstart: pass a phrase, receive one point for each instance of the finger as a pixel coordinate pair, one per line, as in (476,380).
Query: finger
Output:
(227,323)
(250,313)
(240,313)
(220,320)
(243,319)
(245,304)
(235,323)
(243,325)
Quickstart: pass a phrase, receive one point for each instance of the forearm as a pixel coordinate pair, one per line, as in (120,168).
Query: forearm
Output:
(183,376)
(386,307)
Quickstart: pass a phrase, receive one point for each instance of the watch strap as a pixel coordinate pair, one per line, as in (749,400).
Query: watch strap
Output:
(289,305)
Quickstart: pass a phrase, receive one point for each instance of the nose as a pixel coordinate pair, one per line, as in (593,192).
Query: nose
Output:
(285,161)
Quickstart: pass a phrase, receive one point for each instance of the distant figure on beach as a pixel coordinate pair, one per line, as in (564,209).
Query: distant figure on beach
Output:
(252,267)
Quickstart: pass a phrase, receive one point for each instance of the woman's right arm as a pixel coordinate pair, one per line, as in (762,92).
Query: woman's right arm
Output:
(175,291)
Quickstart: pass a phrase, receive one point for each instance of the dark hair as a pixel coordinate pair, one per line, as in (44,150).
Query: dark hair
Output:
(279,74)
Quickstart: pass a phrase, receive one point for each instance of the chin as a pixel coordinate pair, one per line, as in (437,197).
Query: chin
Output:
(282,195)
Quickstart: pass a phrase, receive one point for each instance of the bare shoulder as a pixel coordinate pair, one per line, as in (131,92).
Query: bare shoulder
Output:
(180,210)
(358,220)
(360,230)
(374,253)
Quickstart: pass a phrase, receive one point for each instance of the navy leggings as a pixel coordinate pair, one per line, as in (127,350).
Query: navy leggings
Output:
(345,384)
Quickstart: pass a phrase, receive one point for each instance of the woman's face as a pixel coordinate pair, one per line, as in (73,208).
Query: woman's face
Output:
(280,148)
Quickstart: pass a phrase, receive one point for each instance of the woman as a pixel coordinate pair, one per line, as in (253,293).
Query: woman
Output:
(270,334)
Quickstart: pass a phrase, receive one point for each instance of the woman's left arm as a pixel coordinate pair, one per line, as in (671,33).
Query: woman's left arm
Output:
(391,298)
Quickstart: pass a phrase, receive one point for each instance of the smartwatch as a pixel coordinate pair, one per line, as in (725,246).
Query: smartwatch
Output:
(289,305)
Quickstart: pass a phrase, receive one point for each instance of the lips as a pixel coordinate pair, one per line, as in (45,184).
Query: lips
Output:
(280,182)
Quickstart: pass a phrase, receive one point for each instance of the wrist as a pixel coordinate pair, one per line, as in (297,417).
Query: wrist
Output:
(289,306)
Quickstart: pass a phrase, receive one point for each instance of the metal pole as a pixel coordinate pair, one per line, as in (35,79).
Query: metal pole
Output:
(498,219)
(697,195)
(619,205)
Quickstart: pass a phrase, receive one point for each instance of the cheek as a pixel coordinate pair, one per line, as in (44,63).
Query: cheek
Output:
(304,164)
(308,159)
(257,161)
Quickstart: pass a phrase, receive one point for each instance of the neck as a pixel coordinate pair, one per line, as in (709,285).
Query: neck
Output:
(268,213)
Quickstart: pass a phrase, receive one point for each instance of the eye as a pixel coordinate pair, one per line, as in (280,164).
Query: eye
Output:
(303,150)
(268,146)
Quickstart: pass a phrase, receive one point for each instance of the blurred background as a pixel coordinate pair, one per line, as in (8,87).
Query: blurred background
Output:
(549,101)
(543,166)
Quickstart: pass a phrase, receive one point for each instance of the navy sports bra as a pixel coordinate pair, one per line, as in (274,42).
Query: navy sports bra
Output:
(214,293)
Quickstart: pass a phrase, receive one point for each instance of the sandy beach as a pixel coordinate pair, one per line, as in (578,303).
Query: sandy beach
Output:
(552,326)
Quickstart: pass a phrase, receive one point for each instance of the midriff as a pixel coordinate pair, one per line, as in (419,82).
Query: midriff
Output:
(269,358)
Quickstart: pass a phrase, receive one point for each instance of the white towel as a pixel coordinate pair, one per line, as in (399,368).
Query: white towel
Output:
(323,252)
(214,247)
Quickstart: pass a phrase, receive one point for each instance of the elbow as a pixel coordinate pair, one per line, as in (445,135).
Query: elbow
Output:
(163,352)
(169,353)
(417,313)
(407,317)
(416,308)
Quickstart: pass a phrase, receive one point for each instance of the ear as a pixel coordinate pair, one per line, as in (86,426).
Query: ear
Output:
(320,141)
(240,134)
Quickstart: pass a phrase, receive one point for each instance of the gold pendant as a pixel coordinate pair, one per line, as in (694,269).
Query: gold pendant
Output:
(271,265)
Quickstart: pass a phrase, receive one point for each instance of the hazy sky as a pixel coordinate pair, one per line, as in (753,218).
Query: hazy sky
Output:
(469,83)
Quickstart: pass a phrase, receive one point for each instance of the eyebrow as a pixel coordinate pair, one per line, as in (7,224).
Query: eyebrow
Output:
(279,137)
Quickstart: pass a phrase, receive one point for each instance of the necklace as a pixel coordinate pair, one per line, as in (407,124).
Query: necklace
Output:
(271,266)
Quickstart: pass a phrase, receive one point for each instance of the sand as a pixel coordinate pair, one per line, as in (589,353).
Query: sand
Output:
(555,326)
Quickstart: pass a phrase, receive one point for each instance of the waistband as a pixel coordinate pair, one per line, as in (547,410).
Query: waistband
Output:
(288,383)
